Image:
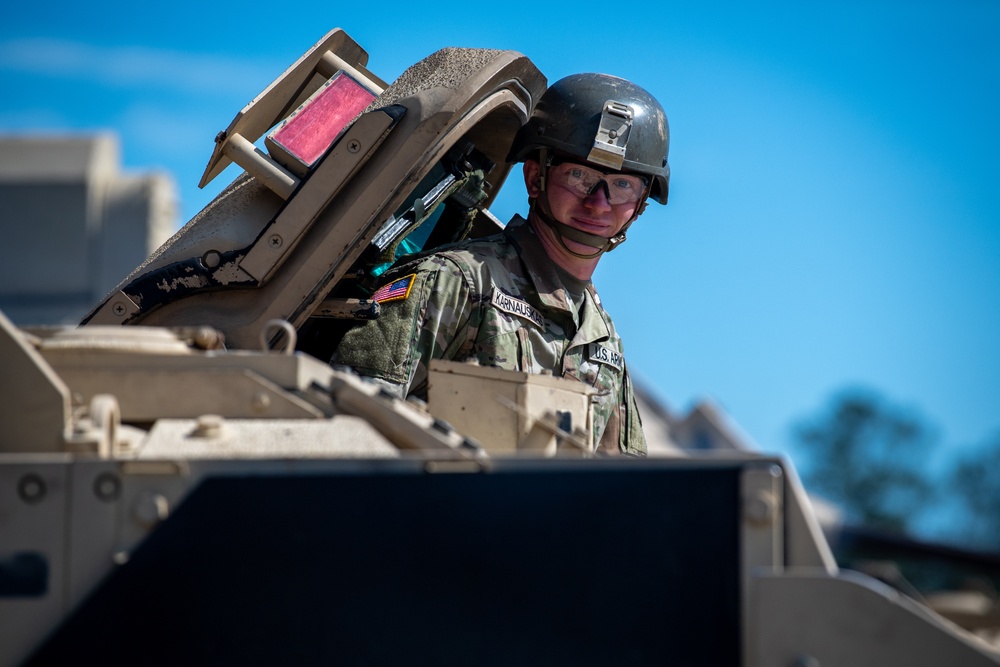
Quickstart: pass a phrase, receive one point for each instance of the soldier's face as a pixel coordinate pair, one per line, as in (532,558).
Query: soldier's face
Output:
(591,213)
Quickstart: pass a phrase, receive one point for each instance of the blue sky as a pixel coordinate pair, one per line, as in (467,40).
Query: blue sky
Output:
(834,217)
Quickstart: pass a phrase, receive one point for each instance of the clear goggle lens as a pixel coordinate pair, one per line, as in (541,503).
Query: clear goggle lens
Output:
(584,181)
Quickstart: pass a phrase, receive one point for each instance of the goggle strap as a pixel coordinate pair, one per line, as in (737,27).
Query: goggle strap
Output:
(544,161)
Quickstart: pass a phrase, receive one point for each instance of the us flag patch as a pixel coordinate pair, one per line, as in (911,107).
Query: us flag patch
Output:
(395,291)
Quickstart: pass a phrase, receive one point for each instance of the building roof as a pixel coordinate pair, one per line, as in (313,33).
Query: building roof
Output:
(56,158)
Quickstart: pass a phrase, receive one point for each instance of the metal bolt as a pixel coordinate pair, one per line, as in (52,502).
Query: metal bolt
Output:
(118,308)
(354,145)
(418,403)
(472,444)
(274,241)
(208,426)
(207,338)
(760,507)
(442,426)
(260,402)
(151,508)
(31,488)
(211,259)
(107,487)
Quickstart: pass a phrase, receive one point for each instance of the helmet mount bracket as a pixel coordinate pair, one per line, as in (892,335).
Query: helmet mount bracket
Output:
(611,138)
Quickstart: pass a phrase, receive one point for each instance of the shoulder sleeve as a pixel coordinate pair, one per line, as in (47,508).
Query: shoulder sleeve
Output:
(632,440)
(623,429)
(426,319)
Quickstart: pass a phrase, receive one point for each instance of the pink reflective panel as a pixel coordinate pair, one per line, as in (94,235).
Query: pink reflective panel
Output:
(312,130)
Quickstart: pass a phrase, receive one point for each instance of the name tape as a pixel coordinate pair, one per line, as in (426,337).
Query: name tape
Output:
(516,307)
(606,355)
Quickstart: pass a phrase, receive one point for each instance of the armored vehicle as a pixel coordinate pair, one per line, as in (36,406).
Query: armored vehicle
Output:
(186,479)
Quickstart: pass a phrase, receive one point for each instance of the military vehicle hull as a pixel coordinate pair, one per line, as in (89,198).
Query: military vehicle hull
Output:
(201,486)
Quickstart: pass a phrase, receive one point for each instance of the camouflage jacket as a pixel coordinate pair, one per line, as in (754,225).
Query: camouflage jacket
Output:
(497,299)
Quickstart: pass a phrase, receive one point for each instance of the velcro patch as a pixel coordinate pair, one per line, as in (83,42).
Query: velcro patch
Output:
(516,307)
(606,355)
(397,290)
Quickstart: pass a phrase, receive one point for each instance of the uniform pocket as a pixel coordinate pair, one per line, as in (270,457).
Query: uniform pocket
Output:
(500,351)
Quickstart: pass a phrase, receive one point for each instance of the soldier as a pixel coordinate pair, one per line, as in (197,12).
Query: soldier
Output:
(594,149)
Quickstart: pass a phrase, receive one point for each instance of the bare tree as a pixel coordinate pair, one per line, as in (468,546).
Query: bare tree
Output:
(869,457)
(975,486)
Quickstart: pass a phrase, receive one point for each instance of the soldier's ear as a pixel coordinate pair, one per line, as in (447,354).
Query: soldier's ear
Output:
(532,178)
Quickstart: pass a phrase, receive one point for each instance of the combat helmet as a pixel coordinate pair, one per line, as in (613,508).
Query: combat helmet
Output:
(604,120)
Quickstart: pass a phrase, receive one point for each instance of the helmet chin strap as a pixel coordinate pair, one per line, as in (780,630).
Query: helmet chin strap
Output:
(540,207)
(564,231)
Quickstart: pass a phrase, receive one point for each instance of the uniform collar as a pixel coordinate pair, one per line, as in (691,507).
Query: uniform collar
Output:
(592,324)
(540,268)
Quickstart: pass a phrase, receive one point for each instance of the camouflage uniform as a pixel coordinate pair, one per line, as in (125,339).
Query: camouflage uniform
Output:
(499,300)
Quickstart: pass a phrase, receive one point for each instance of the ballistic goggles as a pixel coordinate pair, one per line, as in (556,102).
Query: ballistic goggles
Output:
(583,181)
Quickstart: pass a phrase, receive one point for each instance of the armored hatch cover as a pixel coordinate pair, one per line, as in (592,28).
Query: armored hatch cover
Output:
(254,255)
